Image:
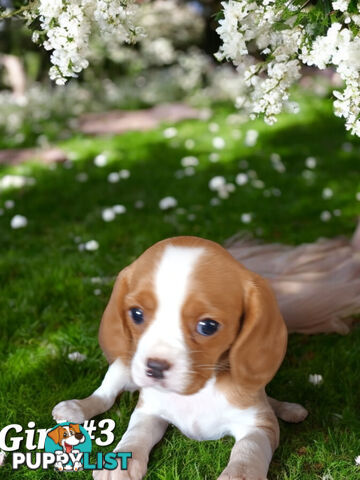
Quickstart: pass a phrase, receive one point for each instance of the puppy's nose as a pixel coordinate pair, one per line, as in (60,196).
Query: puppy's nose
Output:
(156,367)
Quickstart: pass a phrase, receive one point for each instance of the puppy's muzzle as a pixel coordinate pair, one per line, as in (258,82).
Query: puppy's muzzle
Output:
(156,368)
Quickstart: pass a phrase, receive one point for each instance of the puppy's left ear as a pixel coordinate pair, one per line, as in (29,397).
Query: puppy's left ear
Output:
(76,427)
(260,346)
(55,435)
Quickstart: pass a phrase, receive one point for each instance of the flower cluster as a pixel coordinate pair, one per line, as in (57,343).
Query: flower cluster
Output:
(66,27)
(268,41)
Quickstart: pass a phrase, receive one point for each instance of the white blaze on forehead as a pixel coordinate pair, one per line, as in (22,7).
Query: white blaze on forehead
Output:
(164,338)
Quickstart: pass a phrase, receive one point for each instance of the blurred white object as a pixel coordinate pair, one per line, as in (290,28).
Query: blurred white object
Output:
(2,458)
(100,160)
(167,202)
(91,245)
(77,357)
(18,221)
(315,379)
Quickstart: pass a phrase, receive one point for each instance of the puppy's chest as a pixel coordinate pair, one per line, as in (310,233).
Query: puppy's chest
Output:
(205,415)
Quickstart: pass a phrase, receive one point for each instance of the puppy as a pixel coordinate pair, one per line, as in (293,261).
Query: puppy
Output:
(200,336)
(67,437)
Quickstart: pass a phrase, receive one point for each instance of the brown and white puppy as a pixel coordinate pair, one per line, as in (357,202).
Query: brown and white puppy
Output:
(200,336)
(67,437)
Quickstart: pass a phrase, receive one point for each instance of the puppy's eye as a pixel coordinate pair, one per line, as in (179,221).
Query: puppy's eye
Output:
(207,327)
(65,434)
(137,315)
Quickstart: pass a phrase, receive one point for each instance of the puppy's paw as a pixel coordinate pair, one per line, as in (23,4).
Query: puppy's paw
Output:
(291,412)
(70,411)
(136,471)
(239,471)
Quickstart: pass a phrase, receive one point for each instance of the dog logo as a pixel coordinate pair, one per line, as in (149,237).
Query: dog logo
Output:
(69,441)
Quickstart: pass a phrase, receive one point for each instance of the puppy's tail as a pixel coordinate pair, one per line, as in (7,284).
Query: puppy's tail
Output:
(289,412)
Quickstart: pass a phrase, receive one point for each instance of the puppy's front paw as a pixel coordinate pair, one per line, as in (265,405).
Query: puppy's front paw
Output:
(136,471)
(239,471)
(70,411)
(292,412)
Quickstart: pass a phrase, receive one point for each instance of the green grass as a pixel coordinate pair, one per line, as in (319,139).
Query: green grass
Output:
(47,302)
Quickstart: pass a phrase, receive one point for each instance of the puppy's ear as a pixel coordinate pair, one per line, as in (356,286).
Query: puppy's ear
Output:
(55,435)
(260,346)
(114,333)
(75,427)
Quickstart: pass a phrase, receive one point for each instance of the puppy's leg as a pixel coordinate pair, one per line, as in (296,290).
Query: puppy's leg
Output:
(251,455)
(143,432)
(116,380)
(289,412)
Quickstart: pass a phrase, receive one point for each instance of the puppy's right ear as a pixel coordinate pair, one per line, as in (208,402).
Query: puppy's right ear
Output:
(114,333)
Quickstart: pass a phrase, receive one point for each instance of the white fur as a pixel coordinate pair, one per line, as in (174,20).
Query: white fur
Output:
(204,415)
(164,338)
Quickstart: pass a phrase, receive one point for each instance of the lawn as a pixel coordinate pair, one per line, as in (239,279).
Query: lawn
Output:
(53,292)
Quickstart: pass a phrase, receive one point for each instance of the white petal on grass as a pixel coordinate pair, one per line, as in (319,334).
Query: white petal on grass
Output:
(108,215)
(223,192)
(315,379)
(217,182)
(18,221)
(189,171)
(241,179)
(170,132)
(15,181)
(213,127)
(251,138)
(218,142)
(119,209)
(113,177)
(325,216)
(230,187)
(100,160)
(357,196)
(124,173)
(77,357)
(189,144)
(167,202)
(97,291)
(2,458)
(327,193)
(214,157)
(310,162)
(9,204)
(357,460)
(91,245)
(246,217)
(258,183)
(189,161)
(82,177)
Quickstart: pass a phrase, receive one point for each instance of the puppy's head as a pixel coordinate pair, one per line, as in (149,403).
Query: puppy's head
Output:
(68,435)
(185,311)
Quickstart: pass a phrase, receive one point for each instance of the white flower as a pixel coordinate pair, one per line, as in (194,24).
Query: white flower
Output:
(124,173)
(113,177)
(189,161)
(108,214)
(213,127)
(170,132)
(91,245)
(97,291)
(316,379)
(218,142)
(327,193)
(246,217)
(357,460)
(241,179)
(167,202)
(119,209)
(341,5)
(310,162)
(15,181)
(189,144)
(100,160)
(77,357)
(9,204)
(251,137)
(214,157)
(18,221)
(217,182)
(325,216)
